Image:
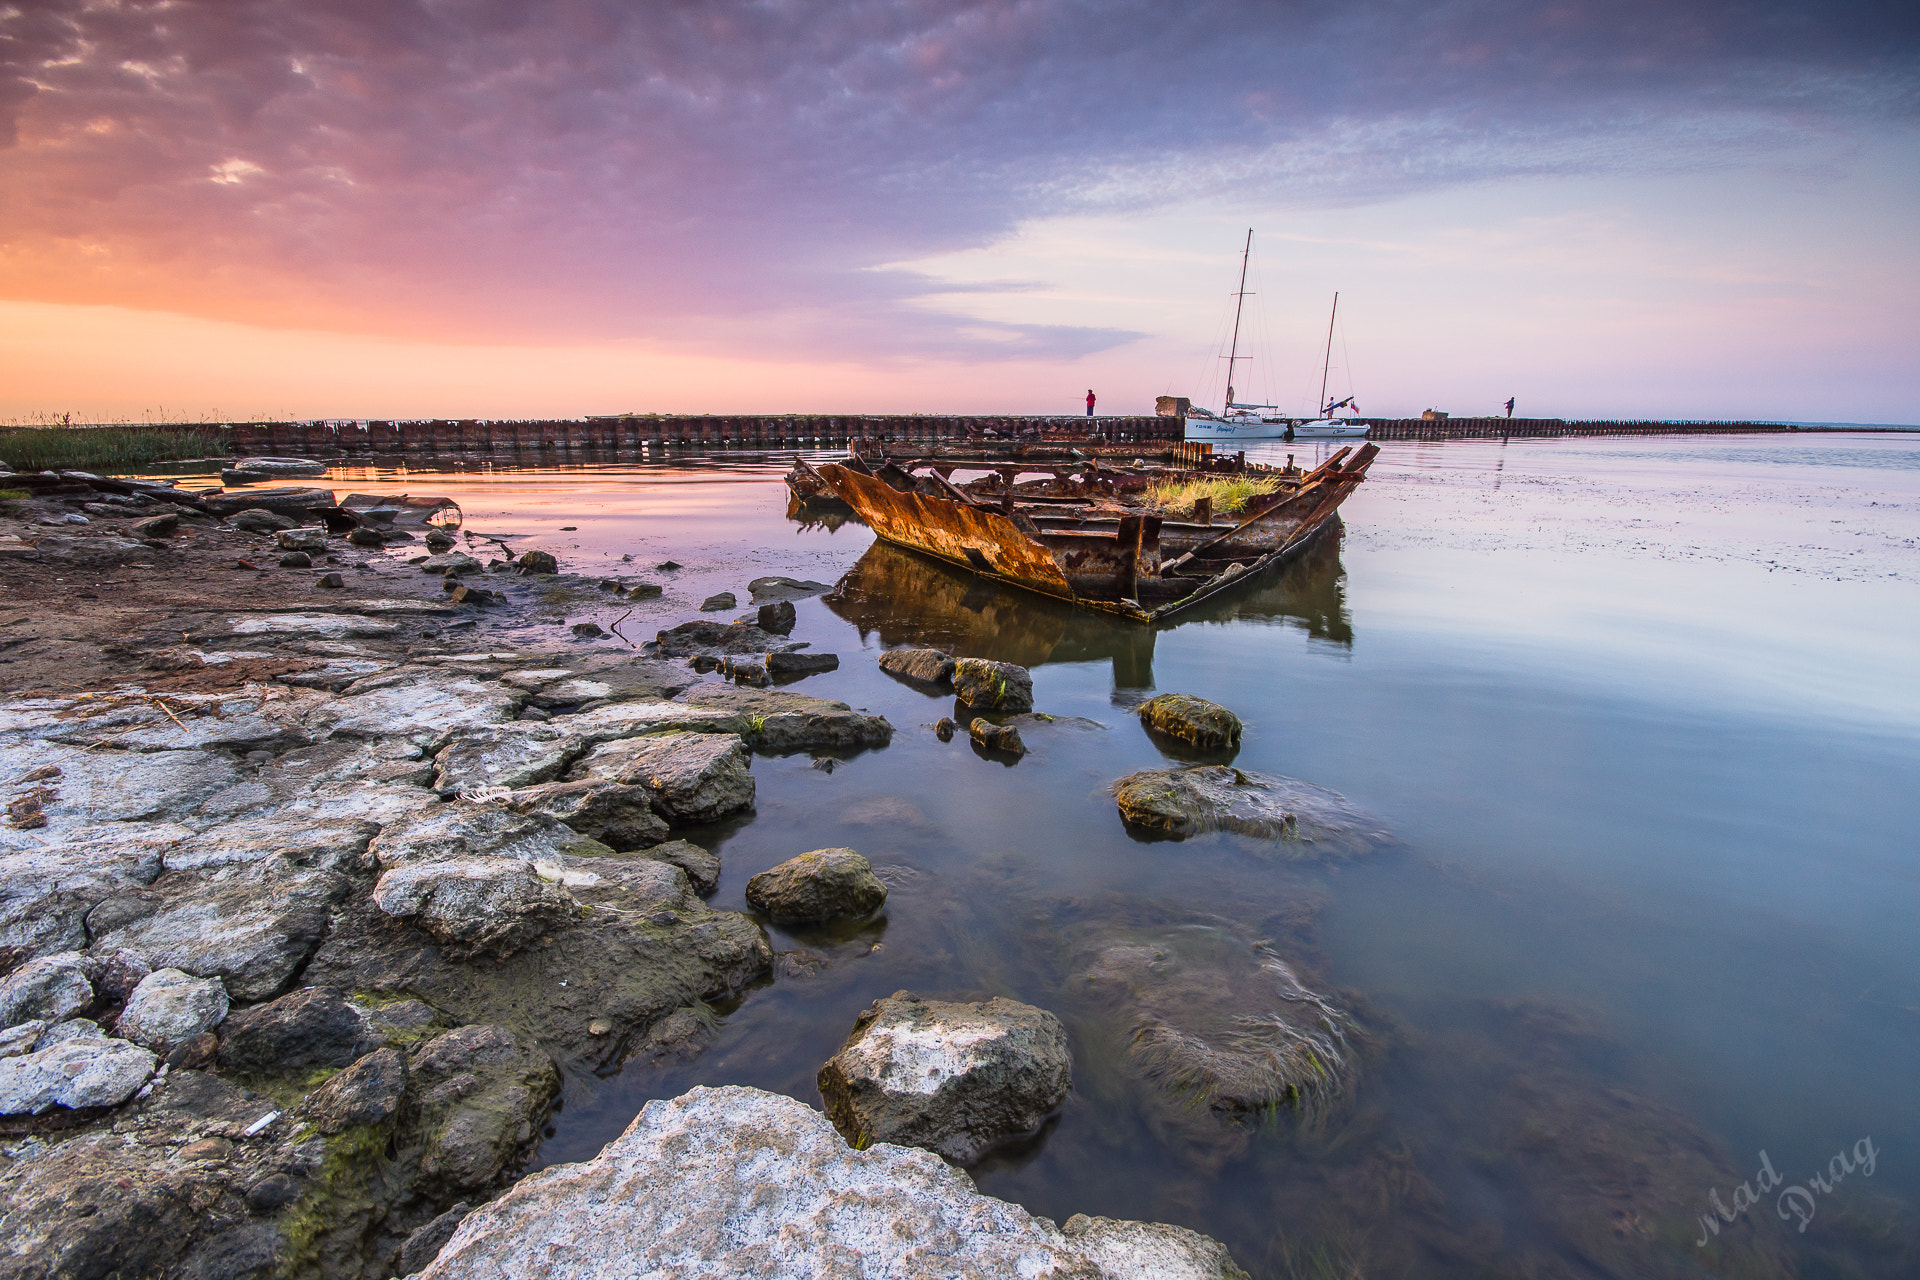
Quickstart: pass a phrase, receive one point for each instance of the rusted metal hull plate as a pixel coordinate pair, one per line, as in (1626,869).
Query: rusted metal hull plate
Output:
(983,541)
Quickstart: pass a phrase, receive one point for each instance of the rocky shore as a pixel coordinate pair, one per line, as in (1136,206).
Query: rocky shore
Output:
(322,868)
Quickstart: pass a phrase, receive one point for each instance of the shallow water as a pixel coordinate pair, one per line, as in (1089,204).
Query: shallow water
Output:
(1644,718)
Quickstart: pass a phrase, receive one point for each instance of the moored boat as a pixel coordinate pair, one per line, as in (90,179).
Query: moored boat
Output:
(1141,543)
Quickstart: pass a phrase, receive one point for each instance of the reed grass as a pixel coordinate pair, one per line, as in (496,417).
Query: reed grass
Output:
(101,448)
(1230,494)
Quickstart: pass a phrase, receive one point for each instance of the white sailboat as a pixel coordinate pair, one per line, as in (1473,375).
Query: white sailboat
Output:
(1238,421)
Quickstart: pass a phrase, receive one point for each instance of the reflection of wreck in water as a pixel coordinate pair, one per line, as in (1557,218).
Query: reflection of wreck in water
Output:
(908,598)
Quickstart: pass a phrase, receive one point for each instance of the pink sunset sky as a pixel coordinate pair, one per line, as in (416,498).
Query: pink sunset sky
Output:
(402,208)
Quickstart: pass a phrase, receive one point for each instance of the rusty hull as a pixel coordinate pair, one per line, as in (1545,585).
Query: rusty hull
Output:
(1092,560)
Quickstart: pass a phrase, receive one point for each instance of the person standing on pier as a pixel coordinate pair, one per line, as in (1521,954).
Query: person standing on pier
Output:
(1509,406)
(1089,402)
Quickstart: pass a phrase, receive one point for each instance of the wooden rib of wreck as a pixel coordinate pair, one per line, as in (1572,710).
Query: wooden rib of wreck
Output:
(1085,534)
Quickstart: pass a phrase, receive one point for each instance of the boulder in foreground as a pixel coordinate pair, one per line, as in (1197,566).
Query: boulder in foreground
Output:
(953,1078)
(826,884)
(1194,721)
(737,1182)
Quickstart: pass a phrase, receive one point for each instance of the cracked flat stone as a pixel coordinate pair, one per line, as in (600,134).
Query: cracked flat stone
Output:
(735,1181)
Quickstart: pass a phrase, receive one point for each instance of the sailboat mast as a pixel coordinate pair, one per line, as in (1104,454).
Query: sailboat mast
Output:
(1327,364)
(1239,301)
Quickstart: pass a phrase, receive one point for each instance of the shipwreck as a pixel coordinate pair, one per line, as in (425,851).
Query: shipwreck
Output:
(1142,542)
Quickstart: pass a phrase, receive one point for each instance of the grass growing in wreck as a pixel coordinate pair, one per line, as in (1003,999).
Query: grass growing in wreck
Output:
(101,448)
(1230,494)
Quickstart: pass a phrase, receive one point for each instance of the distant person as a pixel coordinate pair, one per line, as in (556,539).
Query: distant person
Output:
(1509,406)
(1089,402)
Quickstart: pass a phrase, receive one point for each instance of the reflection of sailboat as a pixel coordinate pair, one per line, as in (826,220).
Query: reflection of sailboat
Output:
(909,598)
(1250,421)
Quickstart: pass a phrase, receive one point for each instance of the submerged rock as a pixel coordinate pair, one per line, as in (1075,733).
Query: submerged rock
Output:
(1178,803)
(992,686)
(752,1183)
(953,1078)
(919,666)
(1213,1018)
(1194,721)
(826,884)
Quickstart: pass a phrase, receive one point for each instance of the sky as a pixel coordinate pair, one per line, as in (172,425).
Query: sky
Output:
(409,208)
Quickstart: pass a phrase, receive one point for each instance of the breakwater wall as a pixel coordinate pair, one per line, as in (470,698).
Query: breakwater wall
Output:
(1549,428)
(664,432)
(861,433)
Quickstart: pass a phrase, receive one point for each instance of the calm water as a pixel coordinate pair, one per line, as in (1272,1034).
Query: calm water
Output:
(1644,717)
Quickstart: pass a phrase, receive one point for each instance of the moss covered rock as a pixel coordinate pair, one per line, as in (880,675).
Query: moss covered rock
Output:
(1194,721)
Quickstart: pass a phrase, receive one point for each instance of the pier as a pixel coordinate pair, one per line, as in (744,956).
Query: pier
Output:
(662,434)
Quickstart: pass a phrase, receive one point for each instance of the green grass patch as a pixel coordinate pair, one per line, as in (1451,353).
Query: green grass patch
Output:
(101,448)
(1230,494)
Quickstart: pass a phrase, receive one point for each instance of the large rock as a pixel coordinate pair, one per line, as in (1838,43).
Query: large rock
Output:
(717,638)
(692,777)
(475,906)
(170,1007)
(777,720)
(953,1078)
(50,989)
(316,1027)
(928,667)
(367,1093)
(509,755)
(291,501)
(826,884)
(778,588)
(701,865)
(459,830)
(992,686)
(84,1071)
(1194,721)
(1178,803)
(739,1182)
(46,892)
(600,679)
(426,707)
(251,925)
(618,814)
(337,844)
(483,1094)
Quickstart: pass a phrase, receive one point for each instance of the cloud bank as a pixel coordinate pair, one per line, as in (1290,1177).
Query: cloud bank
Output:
(714,174)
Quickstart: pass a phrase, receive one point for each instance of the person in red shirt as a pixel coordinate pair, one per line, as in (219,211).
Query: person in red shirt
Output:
(1089,402)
